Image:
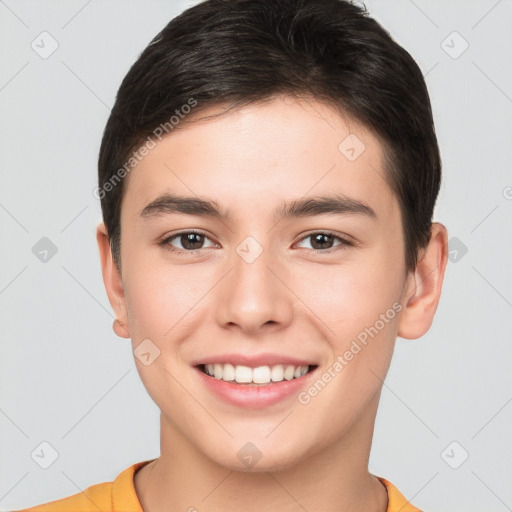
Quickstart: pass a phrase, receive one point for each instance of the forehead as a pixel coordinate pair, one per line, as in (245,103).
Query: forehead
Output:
(264,153)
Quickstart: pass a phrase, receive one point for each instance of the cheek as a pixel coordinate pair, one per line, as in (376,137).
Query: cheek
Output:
(164,300)
(349,297)
(358,304)
(161,303)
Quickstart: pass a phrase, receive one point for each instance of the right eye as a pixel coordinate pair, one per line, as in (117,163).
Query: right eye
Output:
(189,242)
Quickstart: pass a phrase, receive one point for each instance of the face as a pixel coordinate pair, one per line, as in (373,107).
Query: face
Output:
(288,252)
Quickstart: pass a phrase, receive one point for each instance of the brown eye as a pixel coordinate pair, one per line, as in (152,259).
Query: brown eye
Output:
(325,242)
(321,241)
(186,241)
(191,241)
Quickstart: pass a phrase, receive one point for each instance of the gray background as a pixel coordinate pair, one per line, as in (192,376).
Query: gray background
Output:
(67,380)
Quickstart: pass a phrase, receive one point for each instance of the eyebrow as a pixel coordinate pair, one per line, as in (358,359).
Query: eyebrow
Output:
(304,207)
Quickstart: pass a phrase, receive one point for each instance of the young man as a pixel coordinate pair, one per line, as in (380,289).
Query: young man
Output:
(267,178)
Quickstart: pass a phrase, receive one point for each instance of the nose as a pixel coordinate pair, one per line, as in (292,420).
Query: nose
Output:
(253,296)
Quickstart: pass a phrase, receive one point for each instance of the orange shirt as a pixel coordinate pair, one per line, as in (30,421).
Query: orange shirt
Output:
(120,496)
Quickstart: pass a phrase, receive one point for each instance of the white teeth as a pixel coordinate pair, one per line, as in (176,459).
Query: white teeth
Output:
(229,372)
(277,373)
(217,371)
(260,375)
(289,372)
(243,374)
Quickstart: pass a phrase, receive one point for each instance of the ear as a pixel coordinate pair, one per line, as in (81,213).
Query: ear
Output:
(113,282)
(423,286)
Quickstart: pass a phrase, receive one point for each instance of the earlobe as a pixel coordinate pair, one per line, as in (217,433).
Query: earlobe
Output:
(423,288)
(120,329)
(113,282)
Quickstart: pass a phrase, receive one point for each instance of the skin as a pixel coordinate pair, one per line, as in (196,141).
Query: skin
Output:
(290,300)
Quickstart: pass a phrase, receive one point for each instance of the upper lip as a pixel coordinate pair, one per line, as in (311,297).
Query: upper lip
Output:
(253,361)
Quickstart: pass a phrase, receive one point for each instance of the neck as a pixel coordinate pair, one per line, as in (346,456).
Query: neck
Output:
(334,479)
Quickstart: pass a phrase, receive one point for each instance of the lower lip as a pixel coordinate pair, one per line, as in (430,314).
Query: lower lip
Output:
(254,397)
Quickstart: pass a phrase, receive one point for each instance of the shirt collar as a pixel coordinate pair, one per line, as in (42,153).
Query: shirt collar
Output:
(124,497)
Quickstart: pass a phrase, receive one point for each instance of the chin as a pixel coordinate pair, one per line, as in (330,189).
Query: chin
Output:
(257,457)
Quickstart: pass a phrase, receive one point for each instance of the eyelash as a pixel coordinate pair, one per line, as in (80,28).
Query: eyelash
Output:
(343,242)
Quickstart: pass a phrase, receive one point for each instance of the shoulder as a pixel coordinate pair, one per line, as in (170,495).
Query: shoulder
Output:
(118,495)
(95,497)
(396,500)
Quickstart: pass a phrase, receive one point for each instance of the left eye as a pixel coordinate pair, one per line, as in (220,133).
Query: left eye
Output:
(325,241)
(189,240)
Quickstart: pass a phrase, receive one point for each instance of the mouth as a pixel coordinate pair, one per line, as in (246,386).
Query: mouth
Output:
(265,375)
(254,381)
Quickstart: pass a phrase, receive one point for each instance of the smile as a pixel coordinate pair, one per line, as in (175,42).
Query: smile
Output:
(249,383)
(261,375)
